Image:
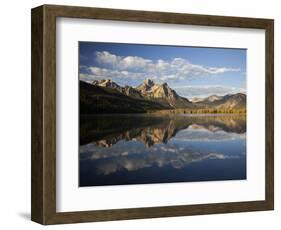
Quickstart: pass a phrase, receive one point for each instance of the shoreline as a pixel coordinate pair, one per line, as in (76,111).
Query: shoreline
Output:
(164,114)
(199,111)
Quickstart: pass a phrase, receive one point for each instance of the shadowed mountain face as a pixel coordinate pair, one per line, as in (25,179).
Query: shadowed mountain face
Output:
(106,96)
(134,149)
(96,99)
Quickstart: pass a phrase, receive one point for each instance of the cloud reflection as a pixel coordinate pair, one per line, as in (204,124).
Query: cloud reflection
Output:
(137,157)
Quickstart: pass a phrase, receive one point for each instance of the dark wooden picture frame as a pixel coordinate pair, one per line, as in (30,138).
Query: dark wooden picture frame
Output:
(43,208)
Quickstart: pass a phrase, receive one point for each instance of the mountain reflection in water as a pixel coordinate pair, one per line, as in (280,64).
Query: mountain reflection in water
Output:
(137,149)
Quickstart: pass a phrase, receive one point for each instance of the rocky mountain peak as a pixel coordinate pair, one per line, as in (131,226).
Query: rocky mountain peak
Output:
(149,82)
(161,92)
(108,83)
(146,86)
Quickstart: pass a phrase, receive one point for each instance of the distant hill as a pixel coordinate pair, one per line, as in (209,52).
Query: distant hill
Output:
(106,96)
(229,101)
(211,98)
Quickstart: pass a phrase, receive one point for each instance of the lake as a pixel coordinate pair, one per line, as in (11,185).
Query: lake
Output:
(145,148)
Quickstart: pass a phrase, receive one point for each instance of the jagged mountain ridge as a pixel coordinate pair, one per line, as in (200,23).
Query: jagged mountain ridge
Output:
(162,96)
(151,90)
(127,90)
(148,90)
(97,99)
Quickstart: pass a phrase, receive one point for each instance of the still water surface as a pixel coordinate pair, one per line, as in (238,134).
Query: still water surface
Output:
(141,149)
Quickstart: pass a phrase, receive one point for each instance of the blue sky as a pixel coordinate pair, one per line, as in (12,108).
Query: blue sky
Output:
(191,71)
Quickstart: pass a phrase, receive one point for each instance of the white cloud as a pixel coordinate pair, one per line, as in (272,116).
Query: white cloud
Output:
(175,69)
(106,57)
(119,76)
(121,63)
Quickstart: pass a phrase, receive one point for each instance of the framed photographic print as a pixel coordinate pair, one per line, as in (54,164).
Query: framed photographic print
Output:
(140,114)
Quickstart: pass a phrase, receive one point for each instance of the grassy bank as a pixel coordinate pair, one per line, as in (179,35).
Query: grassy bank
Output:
(199,111)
